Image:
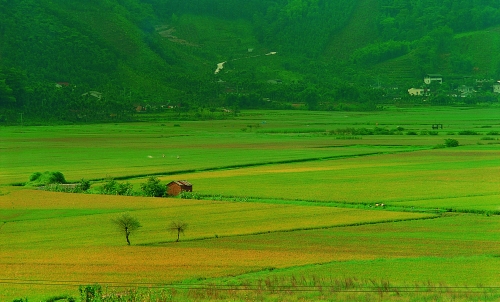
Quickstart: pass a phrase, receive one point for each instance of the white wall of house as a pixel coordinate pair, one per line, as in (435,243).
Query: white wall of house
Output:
(496,87)
(416,91)
(428,80)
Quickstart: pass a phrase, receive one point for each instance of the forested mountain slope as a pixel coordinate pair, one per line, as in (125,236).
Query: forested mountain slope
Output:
(165,52)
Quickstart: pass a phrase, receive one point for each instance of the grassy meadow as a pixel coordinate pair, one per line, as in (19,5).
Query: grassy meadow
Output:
(288,209)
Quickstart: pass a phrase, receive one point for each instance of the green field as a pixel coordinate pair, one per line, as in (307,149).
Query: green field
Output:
(288,209)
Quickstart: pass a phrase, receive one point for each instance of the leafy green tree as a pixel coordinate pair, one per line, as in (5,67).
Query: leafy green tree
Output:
(112,187)
(84,184)
(450,142)
(127,224)
(153,188)
(311,97)
(46,178)
(90,293)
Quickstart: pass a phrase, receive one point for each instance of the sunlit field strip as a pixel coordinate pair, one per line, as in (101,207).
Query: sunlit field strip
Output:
(449,237)
(138,153)
(98,151)
(87,221)
(394,116)
(460,271)
(393,178)
(486,203)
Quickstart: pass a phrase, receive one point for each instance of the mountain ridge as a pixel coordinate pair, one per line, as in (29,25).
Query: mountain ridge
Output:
(119,47)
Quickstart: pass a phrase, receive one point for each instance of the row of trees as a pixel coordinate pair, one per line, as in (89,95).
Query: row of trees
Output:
(128,224)
(54,181)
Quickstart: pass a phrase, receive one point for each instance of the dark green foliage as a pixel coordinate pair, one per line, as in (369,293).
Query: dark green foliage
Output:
(46,178)
(365,131)
(468,132)
(410,19)
(451,142)
(35,176)
(84,185)
(153,188)
(123,55)
(61,298)
(112,187)
(90,293)
(380,52)
(20,300)
(488,138)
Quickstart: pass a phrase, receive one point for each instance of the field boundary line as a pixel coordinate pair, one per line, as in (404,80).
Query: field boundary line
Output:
(291,268)
(392,206)
(427,289)
(161,243)
(259,164)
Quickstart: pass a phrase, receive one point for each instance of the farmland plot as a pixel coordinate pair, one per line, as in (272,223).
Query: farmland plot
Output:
(70,237)
(431,179)
(284,197)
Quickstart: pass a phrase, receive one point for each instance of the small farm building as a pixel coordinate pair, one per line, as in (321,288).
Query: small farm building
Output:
(429,78)
(496,87)
(417,91)
(177,187)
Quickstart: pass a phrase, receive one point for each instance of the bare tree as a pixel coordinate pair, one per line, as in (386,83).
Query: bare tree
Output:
(127,224)
(177,227)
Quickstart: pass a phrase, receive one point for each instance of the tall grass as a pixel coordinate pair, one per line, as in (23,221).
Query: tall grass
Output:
(304,288)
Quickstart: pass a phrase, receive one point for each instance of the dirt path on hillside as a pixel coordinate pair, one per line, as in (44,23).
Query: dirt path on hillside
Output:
(168,32)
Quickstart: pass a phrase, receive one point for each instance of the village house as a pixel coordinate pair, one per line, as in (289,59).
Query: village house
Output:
(431,78)
(418,91)
(465,91)
(496,87)
(176,187)
(95,94)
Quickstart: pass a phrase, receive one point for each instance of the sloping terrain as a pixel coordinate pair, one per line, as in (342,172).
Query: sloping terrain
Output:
(359,31)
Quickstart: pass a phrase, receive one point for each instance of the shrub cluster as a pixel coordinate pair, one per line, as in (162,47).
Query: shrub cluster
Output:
(46,178)
(151,188)
(82,187)
(468,132)
(365,131)
(304,287)
(449,142)
(55,182)
(190,195)
(112,187)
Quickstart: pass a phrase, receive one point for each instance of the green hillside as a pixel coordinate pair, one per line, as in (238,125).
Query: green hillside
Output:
(275,53)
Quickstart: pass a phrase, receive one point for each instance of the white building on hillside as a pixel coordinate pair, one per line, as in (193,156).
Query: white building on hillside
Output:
(430,78)
(496,87)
